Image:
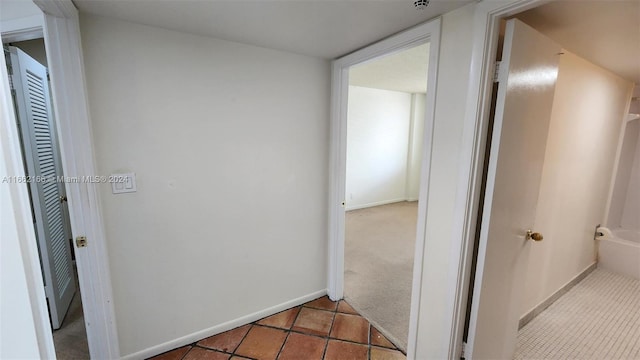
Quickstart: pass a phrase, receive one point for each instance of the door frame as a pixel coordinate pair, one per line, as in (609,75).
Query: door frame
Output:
(61,32)
(32,163)
(417,35)
(486,26)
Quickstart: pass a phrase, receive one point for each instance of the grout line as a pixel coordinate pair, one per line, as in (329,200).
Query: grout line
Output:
(185,354)
(369,340)
(284,342)
(296,318)
(333,319)
(326,347)
(243,338)
(214,350)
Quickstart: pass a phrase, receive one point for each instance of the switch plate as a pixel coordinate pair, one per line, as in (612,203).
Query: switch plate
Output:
(123,183)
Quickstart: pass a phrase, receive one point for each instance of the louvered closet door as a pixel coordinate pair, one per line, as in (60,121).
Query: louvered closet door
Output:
(40,152)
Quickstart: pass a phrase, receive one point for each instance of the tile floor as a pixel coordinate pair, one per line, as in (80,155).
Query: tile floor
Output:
(319,329)
(599,318)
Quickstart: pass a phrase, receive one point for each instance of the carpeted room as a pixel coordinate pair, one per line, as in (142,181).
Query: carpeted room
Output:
(385,129)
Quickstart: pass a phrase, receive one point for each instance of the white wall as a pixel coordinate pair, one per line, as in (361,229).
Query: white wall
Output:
(416,146)
(587,116)
(635,105)
(453,77)
(628,157)
(18,339)
(229,144)
(378,130)
(23,310)
(18,15)
(631,211)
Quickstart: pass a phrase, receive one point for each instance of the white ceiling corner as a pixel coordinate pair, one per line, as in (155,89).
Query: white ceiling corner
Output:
(604,32)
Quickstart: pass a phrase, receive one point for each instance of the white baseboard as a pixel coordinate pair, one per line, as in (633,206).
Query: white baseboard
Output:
(524,320)
(377,203)
(191,338)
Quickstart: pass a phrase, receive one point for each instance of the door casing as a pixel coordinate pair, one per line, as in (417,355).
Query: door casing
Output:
(418,35)
(486,28)
(64,56)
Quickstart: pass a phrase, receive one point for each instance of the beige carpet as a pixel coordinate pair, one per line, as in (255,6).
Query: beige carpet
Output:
(70,340)
(599,318)
(379,249)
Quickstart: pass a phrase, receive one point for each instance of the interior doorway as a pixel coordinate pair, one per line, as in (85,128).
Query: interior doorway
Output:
(427,33)
(385,133)
(27,64)
(573,193)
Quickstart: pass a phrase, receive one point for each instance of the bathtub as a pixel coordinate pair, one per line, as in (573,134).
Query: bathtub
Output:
(619,251)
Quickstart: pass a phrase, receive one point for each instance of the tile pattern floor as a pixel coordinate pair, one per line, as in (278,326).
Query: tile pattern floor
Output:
(319,329)
(599,318)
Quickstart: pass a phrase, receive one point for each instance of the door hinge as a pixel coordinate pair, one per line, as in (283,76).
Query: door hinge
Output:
(11,83)
(463,351)
(81,241)
(496,72)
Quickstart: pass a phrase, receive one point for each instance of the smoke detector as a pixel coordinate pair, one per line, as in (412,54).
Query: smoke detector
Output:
(421,4)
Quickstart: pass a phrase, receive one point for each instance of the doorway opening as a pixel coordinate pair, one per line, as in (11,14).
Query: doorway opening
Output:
(385,132)
(573,195)
(27,65)
(427,33)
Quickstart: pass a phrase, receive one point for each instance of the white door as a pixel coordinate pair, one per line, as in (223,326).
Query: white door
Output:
(527,78)
(29,79)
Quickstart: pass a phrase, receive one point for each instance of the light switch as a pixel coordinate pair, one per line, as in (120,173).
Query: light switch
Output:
(123,183)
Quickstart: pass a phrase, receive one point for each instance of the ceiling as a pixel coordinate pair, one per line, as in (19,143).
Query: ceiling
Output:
(15,9)
(606,33)
(320,28)
(405,71)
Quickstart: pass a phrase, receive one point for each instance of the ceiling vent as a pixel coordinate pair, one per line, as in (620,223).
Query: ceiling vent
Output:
(421,4)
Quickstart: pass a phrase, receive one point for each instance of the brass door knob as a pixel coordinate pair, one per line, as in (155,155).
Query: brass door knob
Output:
(534,236)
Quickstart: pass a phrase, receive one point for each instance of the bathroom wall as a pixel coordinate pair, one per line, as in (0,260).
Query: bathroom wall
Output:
(621,199)
(589,110)
(631,210)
